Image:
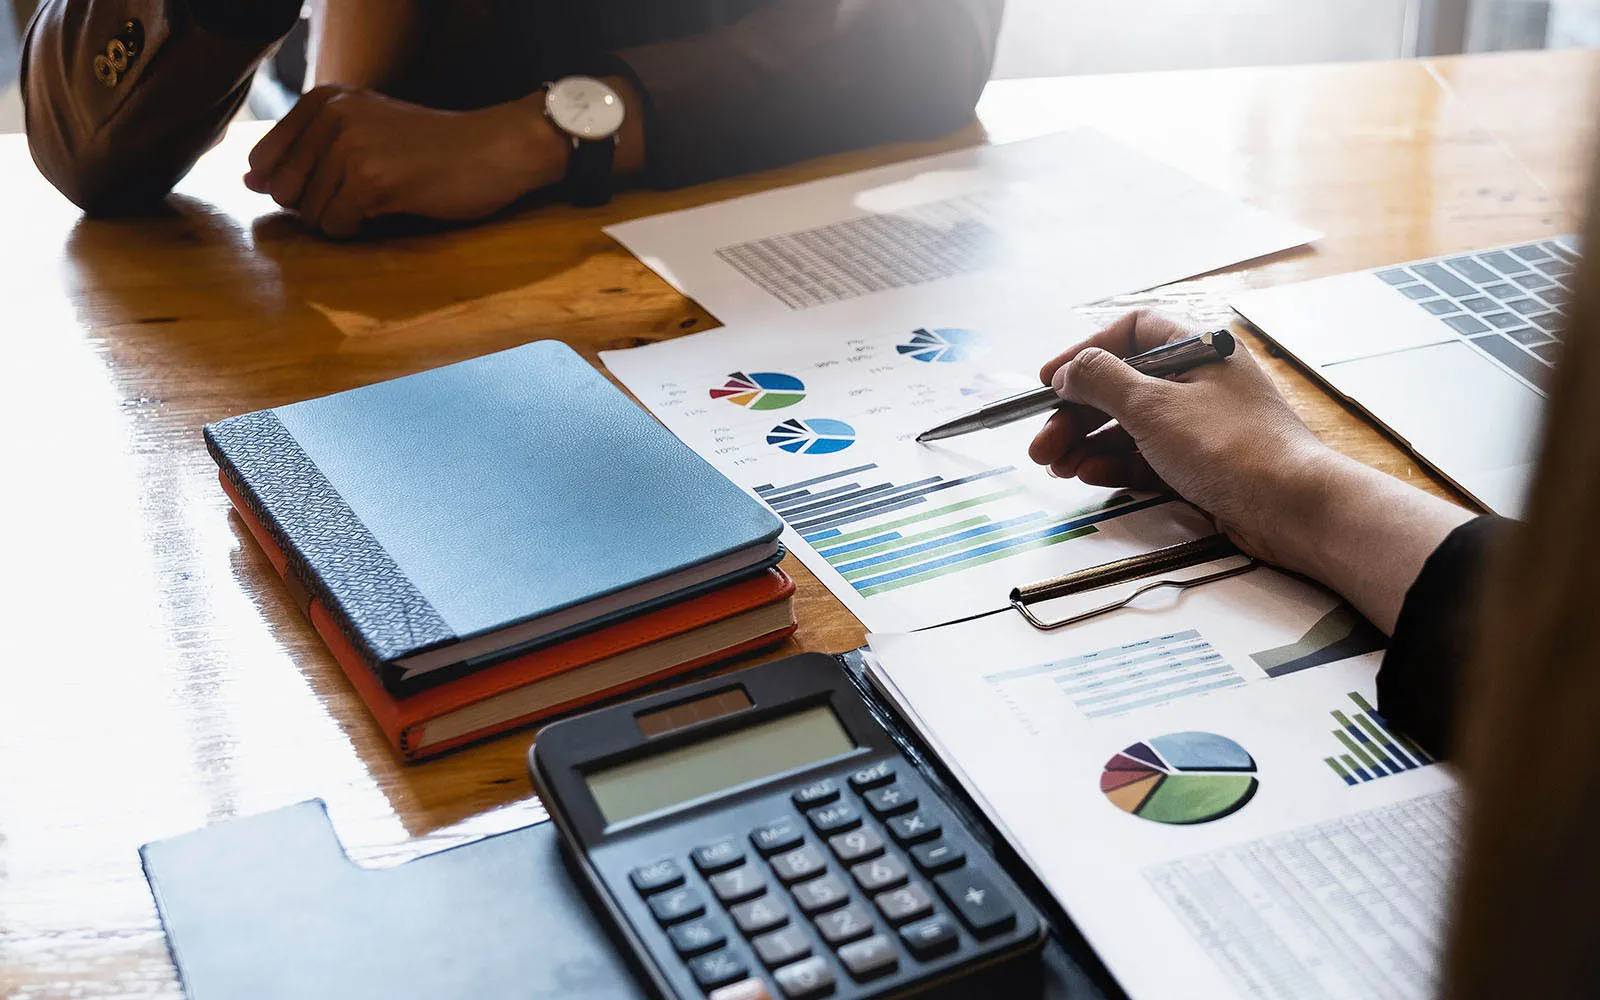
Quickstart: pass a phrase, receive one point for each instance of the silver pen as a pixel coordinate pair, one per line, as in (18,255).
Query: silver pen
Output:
(1159,362)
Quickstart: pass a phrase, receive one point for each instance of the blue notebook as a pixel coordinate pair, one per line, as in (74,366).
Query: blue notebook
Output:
(458,516)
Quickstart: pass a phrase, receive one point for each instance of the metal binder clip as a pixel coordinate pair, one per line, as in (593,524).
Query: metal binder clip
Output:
(1173,557)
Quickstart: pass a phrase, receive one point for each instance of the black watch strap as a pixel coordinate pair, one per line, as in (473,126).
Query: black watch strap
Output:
(589,172)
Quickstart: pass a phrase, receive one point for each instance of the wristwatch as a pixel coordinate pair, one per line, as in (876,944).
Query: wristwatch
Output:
(591,114)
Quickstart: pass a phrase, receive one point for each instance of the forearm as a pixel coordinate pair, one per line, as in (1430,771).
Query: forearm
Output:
(362,43)
(1363,534)
(118,140)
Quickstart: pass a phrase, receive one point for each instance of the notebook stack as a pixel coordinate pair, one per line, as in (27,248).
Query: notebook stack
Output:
(496,542)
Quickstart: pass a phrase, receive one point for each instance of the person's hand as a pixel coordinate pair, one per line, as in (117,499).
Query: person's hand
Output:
(1220,436)
(1223,438)
(342,156)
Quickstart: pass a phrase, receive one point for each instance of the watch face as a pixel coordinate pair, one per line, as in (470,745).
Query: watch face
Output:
(584,107)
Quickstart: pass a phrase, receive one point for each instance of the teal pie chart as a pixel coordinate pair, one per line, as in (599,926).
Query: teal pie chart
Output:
(816,436)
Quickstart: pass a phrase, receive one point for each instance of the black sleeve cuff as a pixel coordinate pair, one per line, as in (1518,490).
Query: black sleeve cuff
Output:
(1419,685)
(263,21)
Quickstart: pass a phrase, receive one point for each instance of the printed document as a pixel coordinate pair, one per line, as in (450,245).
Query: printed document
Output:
(1074,212)
(1204,785)
(817,420)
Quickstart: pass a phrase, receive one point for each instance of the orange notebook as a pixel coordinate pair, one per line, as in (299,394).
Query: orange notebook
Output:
(557,679)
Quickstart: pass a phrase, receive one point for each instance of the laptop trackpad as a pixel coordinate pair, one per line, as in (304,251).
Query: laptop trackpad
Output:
(1457,409)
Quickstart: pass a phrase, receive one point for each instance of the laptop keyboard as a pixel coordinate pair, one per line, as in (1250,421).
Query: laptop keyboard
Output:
(1506,302)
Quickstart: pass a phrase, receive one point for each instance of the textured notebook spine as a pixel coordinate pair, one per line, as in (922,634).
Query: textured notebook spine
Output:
(328,549)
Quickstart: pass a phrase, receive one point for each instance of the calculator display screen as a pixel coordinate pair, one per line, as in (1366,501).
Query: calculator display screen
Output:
(711,765)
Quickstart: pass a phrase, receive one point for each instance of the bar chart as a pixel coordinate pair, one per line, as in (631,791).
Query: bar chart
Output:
(1371,750)
(881,535)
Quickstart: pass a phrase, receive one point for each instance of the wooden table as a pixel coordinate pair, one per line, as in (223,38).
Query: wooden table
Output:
(157,677)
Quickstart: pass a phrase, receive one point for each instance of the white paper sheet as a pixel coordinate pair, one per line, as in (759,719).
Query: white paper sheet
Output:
(1075,212)
(817,417)
(1327,882)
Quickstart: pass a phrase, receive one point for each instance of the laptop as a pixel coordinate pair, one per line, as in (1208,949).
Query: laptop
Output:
(1453,355)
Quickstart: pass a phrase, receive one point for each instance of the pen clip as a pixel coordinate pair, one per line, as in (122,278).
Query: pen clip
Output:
(1173,557)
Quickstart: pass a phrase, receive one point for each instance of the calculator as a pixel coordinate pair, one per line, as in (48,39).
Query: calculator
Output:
(759,836)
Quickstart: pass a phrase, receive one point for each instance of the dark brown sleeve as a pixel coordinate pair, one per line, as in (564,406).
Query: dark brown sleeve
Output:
(799,78)
(116,141)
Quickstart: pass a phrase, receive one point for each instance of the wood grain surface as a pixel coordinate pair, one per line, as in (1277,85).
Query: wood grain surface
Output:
(157,677)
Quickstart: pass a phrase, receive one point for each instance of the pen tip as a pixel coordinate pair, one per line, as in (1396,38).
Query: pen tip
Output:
(923,438)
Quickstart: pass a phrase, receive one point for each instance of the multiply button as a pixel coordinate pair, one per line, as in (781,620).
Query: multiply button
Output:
(820,894)
(655,877)
(845,925)
(930,938)
(679,904)
(883,873)
(980,905)
(716,857)
(856,845)
(831,819)
(804,980)
(817,793)
(779,835)
(939,856)
(758,916)
(890,800)
(909,902)
(869,959)
(738,885)
(913,827)
(717,969)
(871,777)
(800,863)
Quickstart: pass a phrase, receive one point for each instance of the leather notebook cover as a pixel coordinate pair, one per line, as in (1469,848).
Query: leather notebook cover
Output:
(515,488)
(405,721)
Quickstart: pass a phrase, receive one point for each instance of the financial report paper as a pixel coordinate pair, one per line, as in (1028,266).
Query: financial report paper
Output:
(817,418)
(1075,212)
(1204,784)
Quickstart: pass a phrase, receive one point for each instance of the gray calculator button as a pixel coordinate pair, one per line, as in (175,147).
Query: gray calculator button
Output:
(696,937)
(831,819)
(675,905)
(877,774)
(939,856)
(716,969)
(758,916)
(847,924)
(909,902)
(800,863)
(857,844)
(869,958)
(914,827)
(820,894)
(803,980)
(738,885)
(655,877)
(779,835)
(716,857)
(930,938)
(817,793)
(880,873)
(976,900)
(890,800)
(782,947)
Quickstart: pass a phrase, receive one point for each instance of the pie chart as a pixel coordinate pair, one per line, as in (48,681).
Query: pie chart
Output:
(1181,778)
(943,346)
(761,390)
(817,436)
